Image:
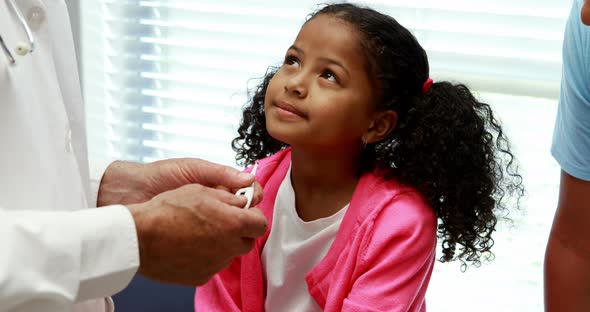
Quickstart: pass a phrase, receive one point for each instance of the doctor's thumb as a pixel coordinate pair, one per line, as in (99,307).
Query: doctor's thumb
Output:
(216,175)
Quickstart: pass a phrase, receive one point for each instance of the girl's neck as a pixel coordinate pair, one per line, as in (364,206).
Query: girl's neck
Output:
(323,181)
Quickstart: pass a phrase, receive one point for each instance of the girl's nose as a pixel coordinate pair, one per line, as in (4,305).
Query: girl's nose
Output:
(296,85)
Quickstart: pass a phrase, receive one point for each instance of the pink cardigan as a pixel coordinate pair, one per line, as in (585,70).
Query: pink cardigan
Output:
(381,258)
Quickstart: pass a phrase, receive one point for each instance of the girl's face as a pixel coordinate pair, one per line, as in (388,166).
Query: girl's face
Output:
(586,12)
(322,95)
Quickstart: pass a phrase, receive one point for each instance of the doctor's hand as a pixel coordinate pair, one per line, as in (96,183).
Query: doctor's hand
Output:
(188,234)
(130,183)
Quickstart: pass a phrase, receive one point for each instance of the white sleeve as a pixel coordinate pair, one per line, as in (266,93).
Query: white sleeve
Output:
(65,256)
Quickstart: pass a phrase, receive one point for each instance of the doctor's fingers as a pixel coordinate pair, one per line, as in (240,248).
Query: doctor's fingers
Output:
(258,194)
(245,245)
(220,207)
(235,222)
(200,192)
(212,174)
(256,197)
(249,222)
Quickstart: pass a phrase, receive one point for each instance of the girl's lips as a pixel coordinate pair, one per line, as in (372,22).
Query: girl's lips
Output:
(289,108)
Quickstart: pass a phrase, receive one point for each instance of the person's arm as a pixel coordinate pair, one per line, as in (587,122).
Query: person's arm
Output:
(181,236)
(567,260)
(189,225)
(567,257)
(49,257)
(397,260)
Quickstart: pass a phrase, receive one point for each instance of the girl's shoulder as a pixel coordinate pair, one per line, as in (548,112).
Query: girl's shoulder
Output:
(392,222)
(381,199)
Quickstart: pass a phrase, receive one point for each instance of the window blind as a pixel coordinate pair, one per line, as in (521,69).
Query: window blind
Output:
(168,78)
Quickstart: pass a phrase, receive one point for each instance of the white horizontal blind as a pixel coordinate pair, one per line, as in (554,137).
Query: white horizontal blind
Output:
(168,78)
(500,46)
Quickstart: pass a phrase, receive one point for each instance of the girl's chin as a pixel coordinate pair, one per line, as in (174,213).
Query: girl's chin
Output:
(277,135)
(282,132)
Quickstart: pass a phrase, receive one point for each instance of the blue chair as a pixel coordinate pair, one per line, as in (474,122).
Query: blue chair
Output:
(144,295)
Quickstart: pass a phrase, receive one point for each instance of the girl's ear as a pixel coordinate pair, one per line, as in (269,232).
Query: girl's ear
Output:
(380,127)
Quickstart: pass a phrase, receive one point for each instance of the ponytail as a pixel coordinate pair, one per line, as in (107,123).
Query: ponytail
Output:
(450,147)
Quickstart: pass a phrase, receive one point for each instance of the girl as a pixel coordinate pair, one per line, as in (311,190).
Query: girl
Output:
(359,153)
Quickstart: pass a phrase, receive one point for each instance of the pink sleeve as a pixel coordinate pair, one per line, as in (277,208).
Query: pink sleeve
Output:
(397,259)
(222,292)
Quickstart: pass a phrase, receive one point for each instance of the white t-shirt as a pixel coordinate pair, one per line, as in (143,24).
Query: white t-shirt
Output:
(293,248)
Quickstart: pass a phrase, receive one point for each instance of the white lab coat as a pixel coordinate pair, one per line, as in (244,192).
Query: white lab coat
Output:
(55,255)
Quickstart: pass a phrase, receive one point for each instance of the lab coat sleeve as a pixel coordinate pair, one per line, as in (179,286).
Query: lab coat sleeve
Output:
(65,256)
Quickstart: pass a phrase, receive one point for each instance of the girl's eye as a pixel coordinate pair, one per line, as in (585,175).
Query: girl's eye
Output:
(291,60)
(330,76)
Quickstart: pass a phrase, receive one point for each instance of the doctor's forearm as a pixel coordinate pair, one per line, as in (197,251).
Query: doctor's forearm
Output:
(122,184)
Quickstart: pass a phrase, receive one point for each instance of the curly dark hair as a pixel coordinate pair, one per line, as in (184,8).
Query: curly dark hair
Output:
(447,144)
